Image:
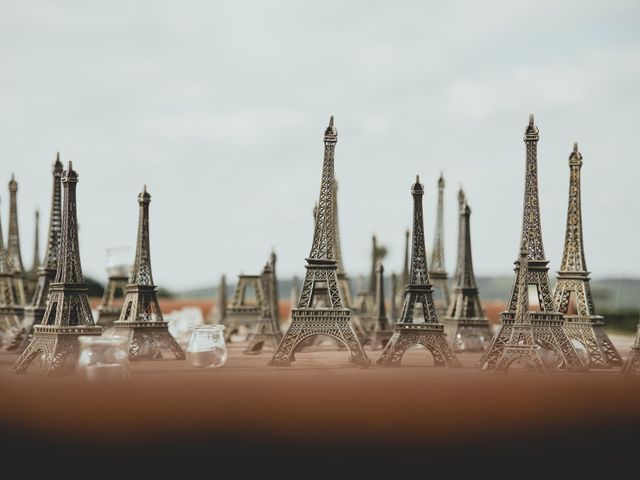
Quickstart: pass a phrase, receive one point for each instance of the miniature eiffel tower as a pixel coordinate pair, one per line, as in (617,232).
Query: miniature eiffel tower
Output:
(267,331)
(466,326)
(244,312)
(404,276)
(632,365)
(32,275)
(438,273)
(393,309)
(109,310)
(274,296)
(382,330)
(365,302)
(521,346)
(141,319)
(9,321)
(13,255)
(418,292)
(217,313)
(68,314)
(548,322)
(34,312)
(585,326)
(462,202)
(321,279)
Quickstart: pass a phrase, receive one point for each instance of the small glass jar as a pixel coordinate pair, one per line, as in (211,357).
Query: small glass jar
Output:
(206,348)
(103,358)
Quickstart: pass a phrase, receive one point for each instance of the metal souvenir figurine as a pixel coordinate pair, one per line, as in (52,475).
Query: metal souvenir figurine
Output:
(31,276)
(275,297)
(267,330)
(583,325)
(34,312)
(437,272)
(393,309)
(547,323)
(632,365)
(141,319)
(404,276)
(13,254)
(521,346)
(418,292)
(9,321)
(382,330)
(68,315)
(217,313)
(321,279)
(108,310)
(465,324)
(242,312)
(365,301)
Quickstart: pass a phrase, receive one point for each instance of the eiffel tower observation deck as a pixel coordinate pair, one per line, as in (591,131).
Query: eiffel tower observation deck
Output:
(320,286)
(547,323)
(584,324)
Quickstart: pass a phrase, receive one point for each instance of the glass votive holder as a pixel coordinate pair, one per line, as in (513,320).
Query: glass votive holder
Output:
(103,358)
(206,348)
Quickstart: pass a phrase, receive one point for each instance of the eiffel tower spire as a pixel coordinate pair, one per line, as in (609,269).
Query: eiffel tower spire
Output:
(460,258)
(374,262)
(321,278)
(466,326)
(393,310)
(585,325)
(419,292)
(36,245)
(273,294)
(141,319)
(34,312)
(9,321)
(382,330)
(438,271)
(548,322)
(68,314)
(13,254)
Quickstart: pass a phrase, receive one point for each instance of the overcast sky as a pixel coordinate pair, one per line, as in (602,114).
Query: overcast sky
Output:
(220,108)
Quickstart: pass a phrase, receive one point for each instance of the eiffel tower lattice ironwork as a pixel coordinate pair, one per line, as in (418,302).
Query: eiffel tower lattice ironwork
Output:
(584,325)
(548,323)
(382,329)
(243,312)
(267,330)
(438,272)
(68,314)
(418,293)
(632,365)
(141,319)
(521,346)
(465,324)
(109,310)
(321,279)
(9,321)
(34,312)
(13,253)
(32,275)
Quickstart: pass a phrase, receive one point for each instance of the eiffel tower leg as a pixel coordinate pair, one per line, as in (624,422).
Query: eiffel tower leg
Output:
(527,358)
(495,351)
(167,340)
(442,354)
(255,345)
(563,346)
(55,352)
(632,365)
(350,339)
(610,352)
(394,350)
(284,355)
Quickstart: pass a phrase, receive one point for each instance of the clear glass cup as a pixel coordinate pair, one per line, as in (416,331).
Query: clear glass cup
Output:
(206,348)
(103,358)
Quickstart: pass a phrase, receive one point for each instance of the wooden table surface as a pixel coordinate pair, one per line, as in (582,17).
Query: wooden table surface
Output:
(322,400)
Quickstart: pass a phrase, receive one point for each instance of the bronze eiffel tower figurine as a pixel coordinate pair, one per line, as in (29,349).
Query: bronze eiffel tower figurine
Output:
(393,309)
(267,330)
(68,314)
(13,254)
(382,330)
(466,326)
(244,312)
(404,276)
(418,293)
(34,312)
(109,310)
(31,276)
(365,302)
(632,365)
(274,296)
(321,279)
(585,325)
(437,272)
(521,346)
(548,323)
(9,321)
(141,319)
(217,313)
